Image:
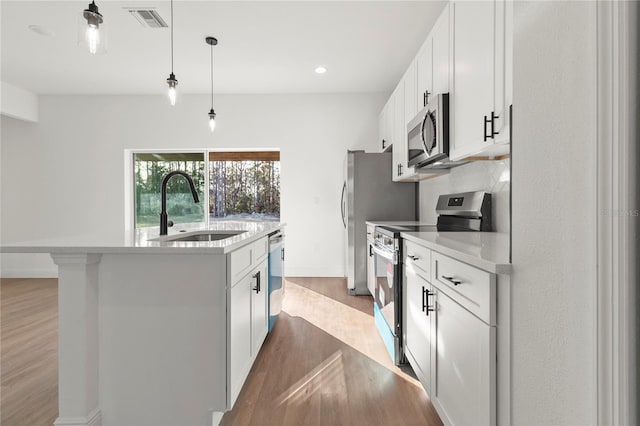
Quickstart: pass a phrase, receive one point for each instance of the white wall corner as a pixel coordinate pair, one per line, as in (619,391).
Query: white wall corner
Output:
(18,103)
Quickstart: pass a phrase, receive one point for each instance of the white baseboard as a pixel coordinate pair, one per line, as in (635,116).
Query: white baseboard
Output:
(93,419)
(29,273)
(216,418)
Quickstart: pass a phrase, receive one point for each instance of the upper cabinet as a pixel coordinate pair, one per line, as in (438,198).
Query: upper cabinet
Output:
(385,126)
(441,47)
(399,169)
(480,67)
(424,65)
(468,55)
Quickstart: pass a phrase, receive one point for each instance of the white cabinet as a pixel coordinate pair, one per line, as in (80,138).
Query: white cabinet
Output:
(479,105)
(385,126)
(371,264)
(441,47)
(410,93)
(240,334)
(450,334)
(424,62)
(399,165)
(259,311)
(247,314)
(417,339)
(463,364)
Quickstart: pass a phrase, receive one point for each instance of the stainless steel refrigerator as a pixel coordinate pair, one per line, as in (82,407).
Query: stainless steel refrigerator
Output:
(369,194)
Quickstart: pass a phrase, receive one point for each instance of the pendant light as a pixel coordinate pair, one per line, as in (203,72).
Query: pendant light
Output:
(212,41)
(92,28)
(171,81)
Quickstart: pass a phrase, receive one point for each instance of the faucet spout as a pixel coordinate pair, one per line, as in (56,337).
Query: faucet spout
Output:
(164,222)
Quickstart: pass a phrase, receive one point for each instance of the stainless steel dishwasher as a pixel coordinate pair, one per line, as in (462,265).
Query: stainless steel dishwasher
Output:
(276,276)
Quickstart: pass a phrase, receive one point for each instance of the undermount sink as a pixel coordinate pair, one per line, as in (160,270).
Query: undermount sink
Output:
(206,236)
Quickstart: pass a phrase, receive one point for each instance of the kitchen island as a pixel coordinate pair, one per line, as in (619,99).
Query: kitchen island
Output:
(154,331)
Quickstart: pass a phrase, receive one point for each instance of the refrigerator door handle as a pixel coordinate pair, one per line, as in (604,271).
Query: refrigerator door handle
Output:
(343,206)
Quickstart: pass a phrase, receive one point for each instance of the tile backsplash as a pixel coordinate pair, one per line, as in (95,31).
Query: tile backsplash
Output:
(491,176)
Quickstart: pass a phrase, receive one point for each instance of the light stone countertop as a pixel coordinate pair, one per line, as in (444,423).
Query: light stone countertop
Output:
(488,251)
(142,240)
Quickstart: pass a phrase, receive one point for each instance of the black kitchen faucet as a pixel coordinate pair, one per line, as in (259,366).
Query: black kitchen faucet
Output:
(164,223)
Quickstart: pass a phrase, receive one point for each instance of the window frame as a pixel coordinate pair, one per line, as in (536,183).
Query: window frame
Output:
(129,180)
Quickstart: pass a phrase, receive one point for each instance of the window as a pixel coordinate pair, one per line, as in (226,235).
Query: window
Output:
(150,169)
(243,185)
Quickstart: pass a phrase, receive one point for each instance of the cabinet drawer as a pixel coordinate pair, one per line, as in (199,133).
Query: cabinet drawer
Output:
(473,288)
(243,259)
(419,257)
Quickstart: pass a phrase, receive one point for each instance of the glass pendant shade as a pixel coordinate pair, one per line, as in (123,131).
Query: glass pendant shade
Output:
(92,32)
(172,82)
(212,120)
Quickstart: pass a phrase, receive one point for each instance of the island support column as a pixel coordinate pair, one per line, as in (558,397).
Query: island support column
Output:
(78,339)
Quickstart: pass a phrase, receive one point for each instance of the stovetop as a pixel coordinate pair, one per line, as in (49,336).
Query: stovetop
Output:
(411,228)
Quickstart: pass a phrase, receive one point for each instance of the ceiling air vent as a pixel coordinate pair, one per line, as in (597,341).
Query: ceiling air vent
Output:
(148,18)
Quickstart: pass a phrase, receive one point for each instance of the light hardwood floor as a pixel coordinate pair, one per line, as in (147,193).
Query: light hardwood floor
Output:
(323,364)
(28,352)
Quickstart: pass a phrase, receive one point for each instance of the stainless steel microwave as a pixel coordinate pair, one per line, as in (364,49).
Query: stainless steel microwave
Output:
(428,133)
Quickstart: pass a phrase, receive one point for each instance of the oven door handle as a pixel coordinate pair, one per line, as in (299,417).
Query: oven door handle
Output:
(391,257)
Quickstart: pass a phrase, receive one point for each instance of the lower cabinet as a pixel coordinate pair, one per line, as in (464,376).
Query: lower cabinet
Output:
(418,338)
(451,349)
(259,311)
(248,319)
(463,365)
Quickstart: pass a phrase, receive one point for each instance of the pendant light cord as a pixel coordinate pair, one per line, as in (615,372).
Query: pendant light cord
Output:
(171,36)
(212,76)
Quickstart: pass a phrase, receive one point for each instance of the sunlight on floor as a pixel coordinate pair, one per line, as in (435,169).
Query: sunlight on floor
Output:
(346,324)
(327,376)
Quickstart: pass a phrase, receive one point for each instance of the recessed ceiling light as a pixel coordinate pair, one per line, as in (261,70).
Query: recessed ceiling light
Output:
(40,30)
(321,70)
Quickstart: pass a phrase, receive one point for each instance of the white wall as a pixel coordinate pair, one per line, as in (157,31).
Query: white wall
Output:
(554,214)
(18,103)
(65,175)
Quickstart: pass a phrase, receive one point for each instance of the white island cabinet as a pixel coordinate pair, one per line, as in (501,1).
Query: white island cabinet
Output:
(155,332)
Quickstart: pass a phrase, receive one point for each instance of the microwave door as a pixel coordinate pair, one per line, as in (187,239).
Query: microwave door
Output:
(416,153)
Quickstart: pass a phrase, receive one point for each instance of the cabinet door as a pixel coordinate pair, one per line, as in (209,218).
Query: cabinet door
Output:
(464,365)
(240,334)
(371,270)
(441,46)
(418,328)
(410,94)
(384,126)
(425,72)
(473,75)
(399,148)
(259,311)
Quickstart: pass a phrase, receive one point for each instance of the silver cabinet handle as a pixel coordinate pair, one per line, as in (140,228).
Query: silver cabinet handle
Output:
(412,257)
(451,280)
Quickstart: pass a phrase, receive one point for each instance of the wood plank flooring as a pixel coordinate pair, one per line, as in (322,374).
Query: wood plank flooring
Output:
(29,352)
(323,364)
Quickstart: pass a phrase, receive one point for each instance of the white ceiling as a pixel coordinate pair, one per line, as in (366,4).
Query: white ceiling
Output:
(264,46)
